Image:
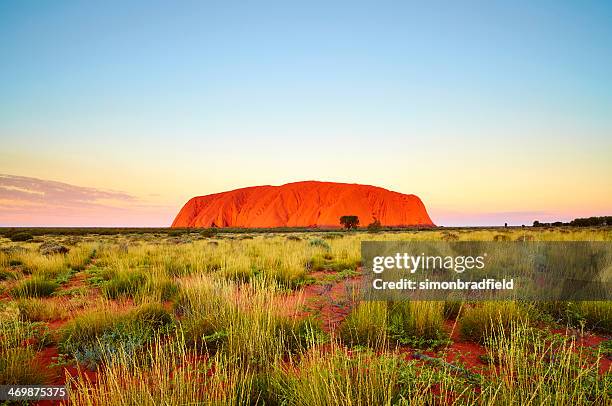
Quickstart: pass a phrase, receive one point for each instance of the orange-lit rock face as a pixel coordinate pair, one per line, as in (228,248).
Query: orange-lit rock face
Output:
(302,204)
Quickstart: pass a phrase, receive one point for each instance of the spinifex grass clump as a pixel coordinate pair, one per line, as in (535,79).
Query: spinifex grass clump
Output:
(80,256)
(241,261)
(48,266)
(35,286)
(597,315)
(327,379)
(376,324)
(239,268)
(366,325)
(241,333)
(161,288)
(336,377)
(19,342)
(327,262)
(532,368)
(593,315)
(124,282)
(417,323)
(319,243)
(91,336)
(245,322)
(171,373)
(483,319)
(164,374)
(453,309)
(40,310)
(204,306)
(51,266)
(7,275)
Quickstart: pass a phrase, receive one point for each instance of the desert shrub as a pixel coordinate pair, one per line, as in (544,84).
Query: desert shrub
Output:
(21,236)
(374,227)
(293,238)
(606,348)
(448,236)
(485,318)
(417,323)
(366,325)
(35,287)
(332,236)
(176,232)
(208,232)
(319,243)
(560,311)
(52,248)
(64,276)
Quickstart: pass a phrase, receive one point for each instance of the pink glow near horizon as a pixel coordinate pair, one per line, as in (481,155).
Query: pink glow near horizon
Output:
(31,202)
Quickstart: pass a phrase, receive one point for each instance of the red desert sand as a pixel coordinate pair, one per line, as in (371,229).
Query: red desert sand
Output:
(303,204)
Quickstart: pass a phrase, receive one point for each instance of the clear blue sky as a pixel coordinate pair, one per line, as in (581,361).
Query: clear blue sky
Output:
(486,110)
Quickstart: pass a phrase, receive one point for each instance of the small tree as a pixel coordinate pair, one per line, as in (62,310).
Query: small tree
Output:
(349,222)
(374,226)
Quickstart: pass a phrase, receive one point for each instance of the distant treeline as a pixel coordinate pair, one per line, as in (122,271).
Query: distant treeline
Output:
(35,231)
(10,232)
(580,222)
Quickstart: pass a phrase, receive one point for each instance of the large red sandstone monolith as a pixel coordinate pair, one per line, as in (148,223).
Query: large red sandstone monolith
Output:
(303,204)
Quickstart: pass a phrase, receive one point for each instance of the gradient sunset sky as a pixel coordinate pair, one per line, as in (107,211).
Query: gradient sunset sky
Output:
(116,113)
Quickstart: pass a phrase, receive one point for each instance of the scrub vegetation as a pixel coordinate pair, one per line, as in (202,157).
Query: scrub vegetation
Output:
(242,318)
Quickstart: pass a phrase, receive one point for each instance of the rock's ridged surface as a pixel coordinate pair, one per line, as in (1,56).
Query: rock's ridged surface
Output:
(303,204)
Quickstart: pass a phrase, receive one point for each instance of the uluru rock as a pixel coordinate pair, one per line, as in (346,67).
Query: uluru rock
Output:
(303,204)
